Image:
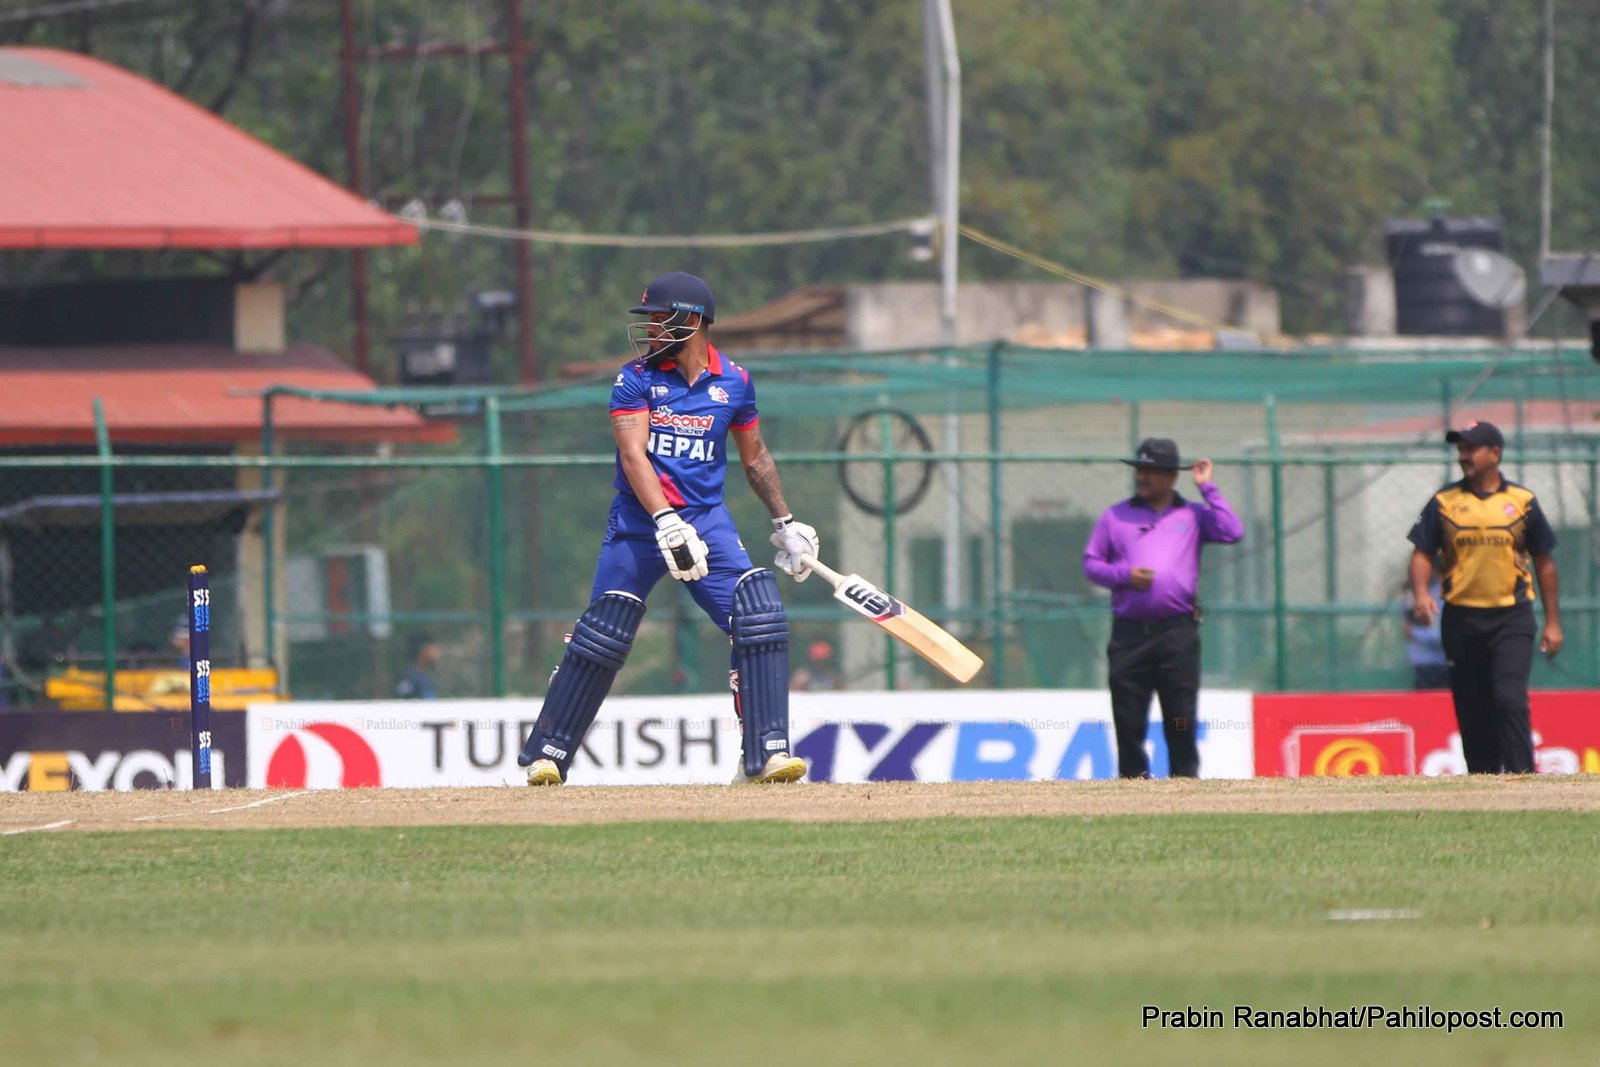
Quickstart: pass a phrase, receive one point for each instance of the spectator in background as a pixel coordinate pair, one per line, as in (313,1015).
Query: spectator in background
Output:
(47,648)
(819,673)
(178,641)
(1425,645)
(417,682)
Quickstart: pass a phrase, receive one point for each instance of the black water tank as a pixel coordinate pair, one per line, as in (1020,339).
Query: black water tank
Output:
(1428,299)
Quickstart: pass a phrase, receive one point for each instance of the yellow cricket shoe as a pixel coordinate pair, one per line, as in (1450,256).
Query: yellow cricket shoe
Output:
(781,767)
(544,772)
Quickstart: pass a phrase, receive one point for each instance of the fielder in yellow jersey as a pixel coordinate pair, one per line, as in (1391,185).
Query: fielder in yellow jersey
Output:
(1492,544)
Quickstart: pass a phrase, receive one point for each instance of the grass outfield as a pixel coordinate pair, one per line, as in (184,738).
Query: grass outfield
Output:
(960,941)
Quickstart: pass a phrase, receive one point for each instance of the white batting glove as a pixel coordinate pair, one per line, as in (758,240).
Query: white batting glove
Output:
(680,546)
(791,539)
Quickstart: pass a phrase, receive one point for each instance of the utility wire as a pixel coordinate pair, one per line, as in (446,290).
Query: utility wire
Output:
(1052,267)
(68,7)
(369,94)
(469,102)
(717,240)
(408,144)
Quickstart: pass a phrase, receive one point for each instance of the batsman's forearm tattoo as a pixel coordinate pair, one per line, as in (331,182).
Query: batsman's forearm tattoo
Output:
(762,474)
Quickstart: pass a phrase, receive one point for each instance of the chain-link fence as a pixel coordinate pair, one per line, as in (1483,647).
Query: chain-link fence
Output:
(964,481)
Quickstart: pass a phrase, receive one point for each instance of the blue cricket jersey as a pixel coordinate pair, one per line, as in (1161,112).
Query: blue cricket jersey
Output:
(689,424)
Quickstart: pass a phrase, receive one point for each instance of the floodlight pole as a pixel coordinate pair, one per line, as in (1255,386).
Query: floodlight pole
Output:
(949,175)
(356,180)
(944,112)
(1548,132)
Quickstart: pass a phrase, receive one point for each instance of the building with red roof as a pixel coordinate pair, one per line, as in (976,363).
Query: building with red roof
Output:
(98,157)
(93,157)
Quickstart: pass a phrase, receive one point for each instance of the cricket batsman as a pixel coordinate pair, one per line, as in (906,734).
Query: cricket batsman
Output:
(672,410)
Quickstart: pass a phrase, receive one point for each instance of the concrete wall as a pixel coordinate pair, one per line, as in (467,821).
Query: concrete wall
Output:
(906,314)
(1369,302)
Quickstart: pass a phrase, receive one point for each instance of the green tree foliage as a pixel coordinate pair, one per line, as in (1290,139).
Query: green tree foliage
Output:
(1283,133)
(1262,139)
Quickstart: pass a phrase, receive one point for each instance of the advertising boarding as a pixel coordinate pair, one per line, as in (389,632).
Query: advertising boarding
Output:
(939,736)
(50,751)
(1346,734)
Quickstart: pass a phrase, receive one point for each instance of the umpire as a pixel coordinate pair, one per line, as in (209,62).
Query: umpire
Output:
(1146,550)
(1484,530)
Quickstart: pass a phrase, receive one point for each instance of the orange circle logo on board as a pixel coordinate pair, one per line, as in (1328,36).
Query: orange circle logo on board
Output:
(1349,757)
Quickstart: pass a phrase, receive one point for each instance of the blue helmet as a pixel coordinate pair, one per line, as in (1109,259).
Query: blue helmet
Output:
(678,295)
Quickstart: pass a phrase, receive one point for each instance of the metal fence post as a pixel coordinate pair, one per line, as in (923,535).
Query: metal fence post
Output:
(497,550)
(684,674)
(1521,437)
(1330,572)
(997,654)
(1280,594)
(108,554)
(1444,419)
(890,651)
(1592,615)
(269,532)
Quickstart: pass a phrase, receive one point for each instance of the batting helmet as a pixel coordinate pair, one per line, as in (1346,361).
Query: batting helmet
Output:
(679,296)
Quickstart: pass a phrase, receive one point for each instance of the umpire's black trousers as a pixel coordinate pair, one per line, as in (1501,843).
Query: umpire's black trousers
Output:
(1491,659)
(1161,657)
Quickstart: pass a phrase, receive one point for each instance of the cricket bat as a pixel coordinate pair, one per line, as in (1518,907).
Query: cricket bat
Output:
(910,627)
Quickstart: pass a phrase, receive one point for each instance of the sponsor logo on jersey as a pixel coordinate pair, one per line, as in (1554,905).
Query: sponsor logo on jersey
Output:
(671,445)
(719,394)
(659,390)
(619,378)
(665,418)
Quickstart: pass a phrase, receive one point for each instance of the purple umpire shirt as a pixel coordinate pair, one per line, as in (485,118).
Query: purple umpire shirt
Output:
(1131,534)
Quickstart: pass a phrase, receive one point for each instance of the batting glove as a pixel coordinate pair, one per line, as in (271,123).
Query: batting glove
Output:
(792,539)
(680,546)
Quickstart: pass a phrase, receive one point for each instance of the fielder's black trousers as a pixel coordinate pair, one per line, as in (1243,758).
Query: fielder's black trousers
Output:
(1160,657)
(1491,659)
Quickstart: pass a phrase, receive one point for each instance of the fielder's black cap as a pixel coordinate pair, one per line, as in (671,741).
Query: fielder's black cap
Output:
(1476,435)
(1158,452)
(677,291)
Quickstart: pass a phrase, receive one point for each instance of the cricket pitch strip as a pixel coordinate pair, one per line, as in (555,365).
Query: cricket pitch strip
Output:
(804,802)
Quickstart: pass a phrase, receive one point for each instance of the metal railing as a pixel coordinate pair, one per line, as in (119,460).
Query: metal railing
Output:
(491,540)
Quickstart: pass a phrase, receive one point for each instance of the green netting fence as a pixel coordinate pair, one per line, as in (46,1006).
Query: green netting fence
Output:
(965,480)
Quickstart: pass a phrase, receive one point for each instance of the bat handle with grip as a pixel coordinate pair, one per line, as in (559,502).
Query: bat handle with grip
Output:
(829,575)
(678,545)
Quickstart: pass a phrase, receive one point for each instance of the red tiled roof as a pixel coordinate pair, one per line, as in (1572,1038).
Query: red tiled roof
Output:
(188,393)
(92,156)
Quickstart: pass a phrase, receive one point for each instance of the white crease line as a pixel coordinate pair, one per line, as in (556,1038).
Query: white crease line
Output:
(257,803)
(218,811)
(1356,915)
(31,829)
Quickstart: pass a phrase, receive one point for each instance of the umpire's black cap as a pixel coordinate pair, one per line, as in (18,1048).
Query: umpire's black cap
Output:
(677,291)
(1158,452)
(1477,435)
